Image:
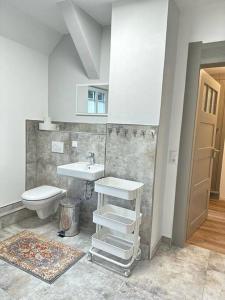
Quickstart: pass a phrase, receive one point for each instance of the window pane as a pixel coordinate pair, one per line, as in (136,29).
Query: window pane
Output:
(205,97)
(209,97)
(214,102)
(91,107)
(90,94)
(101,107)
(97,99)
(100,97)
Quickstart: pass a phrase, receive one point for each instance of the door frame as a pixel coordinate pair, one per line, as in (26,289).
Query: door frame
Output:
(200,55)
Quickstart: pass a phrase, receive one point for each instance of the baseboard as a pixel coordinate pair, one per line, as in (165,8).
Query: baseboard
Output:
(145,250)
(163,239)
(15,215)
(7,209)
(167,241)
(155,249)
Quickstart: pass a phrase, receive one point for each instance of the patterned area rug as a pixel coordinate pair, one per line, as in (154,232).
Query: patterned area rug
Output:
(38,256)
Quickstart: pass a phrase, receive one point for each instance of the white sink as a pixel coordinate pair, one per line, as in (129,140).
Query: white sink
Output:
(82,170)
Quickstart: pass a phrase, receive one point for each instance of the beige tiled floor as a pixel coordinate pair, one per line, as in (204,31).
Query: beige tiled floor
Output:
(188,273)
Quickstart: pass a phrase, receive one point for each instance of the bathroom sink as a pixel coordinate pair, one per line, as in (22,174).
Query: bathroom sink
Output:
(82,170)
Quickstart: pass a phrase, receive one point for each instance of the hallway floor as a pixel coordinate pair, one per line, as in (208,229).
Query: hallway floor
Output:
(188,273)
(211,234)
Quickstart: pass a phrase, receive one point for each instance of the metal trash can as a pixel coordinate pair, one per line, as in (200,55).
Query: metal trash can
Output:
(69,217)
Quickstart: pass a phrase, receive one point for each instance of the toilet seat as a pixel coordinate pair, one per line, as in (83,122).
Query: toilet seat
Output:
(41,193)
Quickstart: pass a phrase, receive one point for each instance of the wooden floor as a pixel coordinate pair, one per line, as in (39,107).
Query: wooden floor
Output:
(211,234)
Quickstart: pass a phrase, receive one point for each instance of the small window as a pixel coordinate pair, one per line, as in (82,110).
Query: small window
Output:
(97,99)
(92,99)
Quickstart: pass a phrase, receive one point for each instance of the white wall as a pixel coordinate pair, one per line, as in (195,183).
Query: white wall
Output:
(23,95)
(202,23)
(65,71)
(163,136)
(81,99)
(137,61)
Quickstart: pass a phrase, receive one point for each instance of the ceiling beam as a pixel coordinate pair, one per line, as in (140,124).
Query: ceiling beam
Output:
(86,34)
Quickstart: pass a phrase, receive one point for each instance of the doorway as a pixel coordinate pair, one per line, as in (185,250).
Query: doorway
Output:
(206,215)
(217,190)
(195,166)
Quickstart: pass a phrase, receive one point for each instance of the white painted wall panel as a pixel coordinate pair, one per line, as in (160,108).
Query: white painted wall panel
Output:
(23,95)
(163,137)
(137,61)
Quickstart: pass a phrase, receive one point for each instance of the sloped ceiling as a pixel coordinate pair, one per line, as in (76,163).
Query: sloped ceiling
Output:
(39,24)
(47,11)
(24,29)
(46,20)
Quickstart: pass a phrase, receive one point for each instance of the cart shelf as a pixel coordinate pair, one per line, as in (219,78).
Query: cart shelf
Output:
(119,245)
(117,218)
(116,187)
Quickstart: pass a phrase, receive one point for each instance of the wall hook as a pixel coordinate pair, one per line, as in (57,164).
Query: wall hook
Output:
(143,133)
(153,133)
(135,132)
(110,131)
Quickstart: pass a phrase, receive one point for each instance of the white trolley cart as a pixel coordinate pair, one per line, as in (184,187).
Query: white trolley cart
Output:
(117,241)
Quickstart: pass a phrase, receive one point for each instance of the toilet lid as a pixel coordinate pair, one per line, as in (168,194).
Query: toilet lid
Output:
(41,193)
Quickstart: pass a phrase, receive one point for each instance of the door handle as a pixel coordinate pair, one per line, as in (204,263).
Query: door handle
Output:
(215,152)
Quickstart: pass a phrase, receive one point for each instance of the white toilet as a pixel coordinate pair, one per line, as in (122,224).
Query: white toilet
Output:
(44,199)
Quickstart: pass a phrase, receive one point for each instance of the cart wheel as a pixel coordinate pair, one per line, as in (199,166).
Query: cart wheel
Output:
(127,273)
(89,256)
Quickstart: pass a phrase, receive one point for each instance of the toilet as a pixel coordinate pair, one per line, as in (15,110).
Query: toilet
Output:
(44,199)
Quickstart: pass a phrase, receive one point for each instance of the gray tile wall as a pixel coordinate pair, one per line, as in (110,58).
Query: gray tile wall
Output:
(127,150)
(31,154)
(42,163)
(130,154)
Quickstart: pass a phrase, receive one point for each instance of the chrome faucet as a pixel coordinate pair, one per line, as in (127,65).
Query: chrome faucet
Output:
(91,158)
